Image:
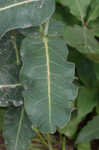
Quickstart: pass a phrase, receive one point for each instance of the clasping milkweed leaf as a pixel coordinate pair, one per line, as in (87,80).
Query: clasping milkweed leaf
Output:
(24,13)
(47,79)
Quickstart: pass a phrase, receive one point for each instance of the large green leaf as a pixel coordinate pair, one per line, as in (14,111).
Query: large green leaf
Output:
(77,7)
(47,80)
(24,13)
(8,66)
(84,41)
(90,131)
(17,130)
(9,71)
(94,11)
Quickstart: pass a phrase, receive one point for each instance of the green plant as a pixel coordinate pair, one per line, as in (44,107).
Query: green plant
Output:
(40,47)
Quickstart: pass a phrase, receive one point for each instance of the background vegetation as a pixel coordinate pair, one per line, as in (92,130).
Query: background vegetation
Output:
(73,26)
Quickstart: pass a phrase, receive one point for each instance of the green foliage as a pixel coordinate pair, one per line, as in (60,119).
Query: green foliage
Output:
(83,40)
(41,72)
(90,131)
(84,146)
(77,7)
(48,59)
(86,101)
(70,129)
(94,26)
(17,129)
(93,14)
(9,71)
(24,13)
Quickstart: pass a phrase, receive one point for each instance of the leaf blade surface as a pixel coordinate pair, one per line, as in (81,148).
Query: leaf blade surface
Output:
(47,80)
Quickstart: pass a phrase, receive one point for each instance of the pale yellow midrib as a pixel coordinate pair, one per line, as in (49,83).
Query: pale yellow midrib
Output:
(45,40)
(17,4)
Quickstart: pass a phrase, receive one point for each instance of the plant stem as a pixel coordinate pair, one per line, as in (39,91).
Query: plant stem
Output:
(49,142)
(33,146)
(46,28)
(40,136)
(41,30)
(60,138)
(16,49)
(64,143)
(19,127)
(37,140)
(44,31)
(10,85)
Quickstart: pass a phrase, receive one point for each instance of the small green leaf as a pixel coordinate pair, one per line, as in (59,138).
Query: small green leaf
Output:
(63,14)
(94,11)
(17,130)
(77,7)
(84,41)
(71,128)
(84,146)
(56,28)
(84,66)
(94,27)
(90,131)
(86,101)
